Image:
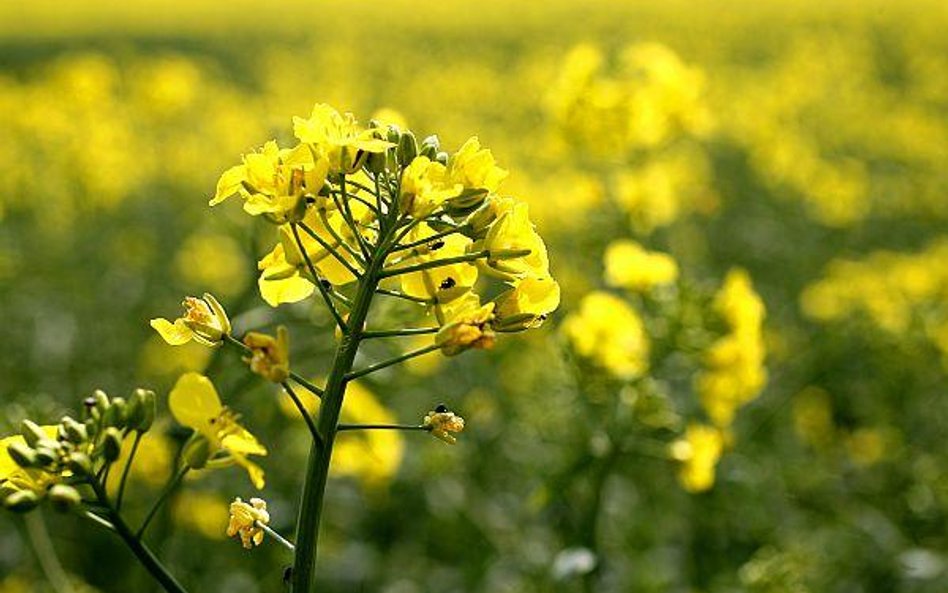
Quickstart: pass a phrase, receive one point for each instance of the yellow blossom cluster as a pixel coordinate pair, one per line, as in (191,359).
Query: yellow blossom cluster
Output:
(631,266)
(734,365)
(608,331)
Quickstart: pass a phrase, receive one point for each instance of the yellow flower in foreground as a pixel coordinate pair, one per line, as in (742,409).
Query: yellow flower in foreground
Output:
(473,167)
(194,403)
(629,265)
(467,328)
(442,284)
(270,357)
(13,477)
(338,136)
(204,321)
(274,181)
(698,451)
(610,332)
(442,423)
(513,231)
(425,186)
(244,519)
(528,304)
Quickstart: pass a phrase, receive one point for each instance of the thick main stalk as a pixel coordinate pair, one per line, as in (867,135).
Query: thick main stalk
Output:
(317,470)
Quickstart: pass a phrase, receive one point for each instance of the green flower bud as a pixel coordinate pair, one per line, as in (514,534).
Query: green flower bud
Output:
(376,162)
(430,147)
(45,455)
(407,148)
(32,432)
(112,443)
(394,134)
(73,431)
(196,452)
(101,401)
(141,410)
(22,454)
(21,501)
(115,414)
(442,157)
(92,427)
(64,498)
(79,464)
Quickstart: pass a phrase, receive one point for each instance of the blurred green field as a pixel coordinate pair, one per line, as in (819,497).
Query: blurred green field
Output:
(802,142)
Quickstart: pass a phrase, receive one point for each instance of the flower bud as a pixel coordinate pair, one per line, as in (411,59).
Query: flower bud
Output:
(393,134)
(64,498)
(46,453)
(376,162)
(79,463)
(21,501)
(115,415)
(31,432)
(196,452)
(442,157)
(407,148)
(72,430)
(111,443)
(101,401)
(430,147)
(143,406)
(22,454)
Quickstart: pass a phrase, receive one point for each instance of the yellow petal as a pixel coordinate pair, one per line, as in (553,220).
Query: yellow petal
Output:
(176,333)
(243,443)
(253,470)
(285,290)
(194,403)
(229,184)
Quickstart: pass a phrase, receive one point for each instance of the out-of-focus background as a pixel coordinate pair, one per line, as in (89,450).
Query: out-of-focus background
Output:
(799,148)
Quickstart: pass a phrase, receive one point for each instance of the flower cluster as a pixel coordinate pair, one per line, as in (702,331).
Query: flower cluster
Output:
(352,201)
(50,461)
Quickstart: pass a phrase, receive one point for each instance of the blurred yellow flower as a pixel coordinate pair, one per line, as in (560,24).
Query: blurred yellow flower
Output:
(698,451)
(270,357)
(194,403)
(203,512)
(629,265)
(214,262)
(610,332)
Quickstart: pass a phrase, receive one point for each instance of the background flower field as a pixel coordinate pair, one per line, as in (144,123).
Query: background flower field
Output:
(745,205)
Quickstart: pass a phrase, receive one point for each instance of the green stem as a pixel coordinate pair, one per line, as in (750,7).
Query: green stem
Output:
(303,411)
(335,235)
(387,363)
(347,211)
(394,333)
(169,488)
(319,281)
(343,427)
(231,340)
(467,257)
(138,547)
(402,295)
(46,553)
(317,469)
(128,466)
(426,240)
(332,251)
(279,538)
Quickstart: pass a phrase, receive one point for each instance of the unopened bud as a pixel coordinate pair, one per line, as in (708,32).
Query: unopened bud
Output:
(45,453)
(31,432)
(407,148)
(112,443)
(101,401)
(143,401)
(64,498)
(74,431)
(79,464)
(21,501)
(430,147)
(196,452)
(376,162)
(115,415)
(22,454)
(442,157)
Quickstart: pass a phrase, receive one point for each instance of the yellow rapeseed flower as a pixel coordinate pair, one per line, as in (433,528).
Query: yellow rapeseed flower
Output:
(467,328)
(610,332)
(204,321)
(245,520)
(441,284)
(474,168)
(629,265)
(442,424)
(194,403)
(425,186)
(698,451)
(338,137)
(274,181)
(527,304)
(270,357)
(513,231)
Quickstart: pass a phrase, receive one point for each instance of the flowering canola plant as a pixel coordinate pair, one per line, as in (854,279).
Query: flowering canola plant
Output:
(360,212)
